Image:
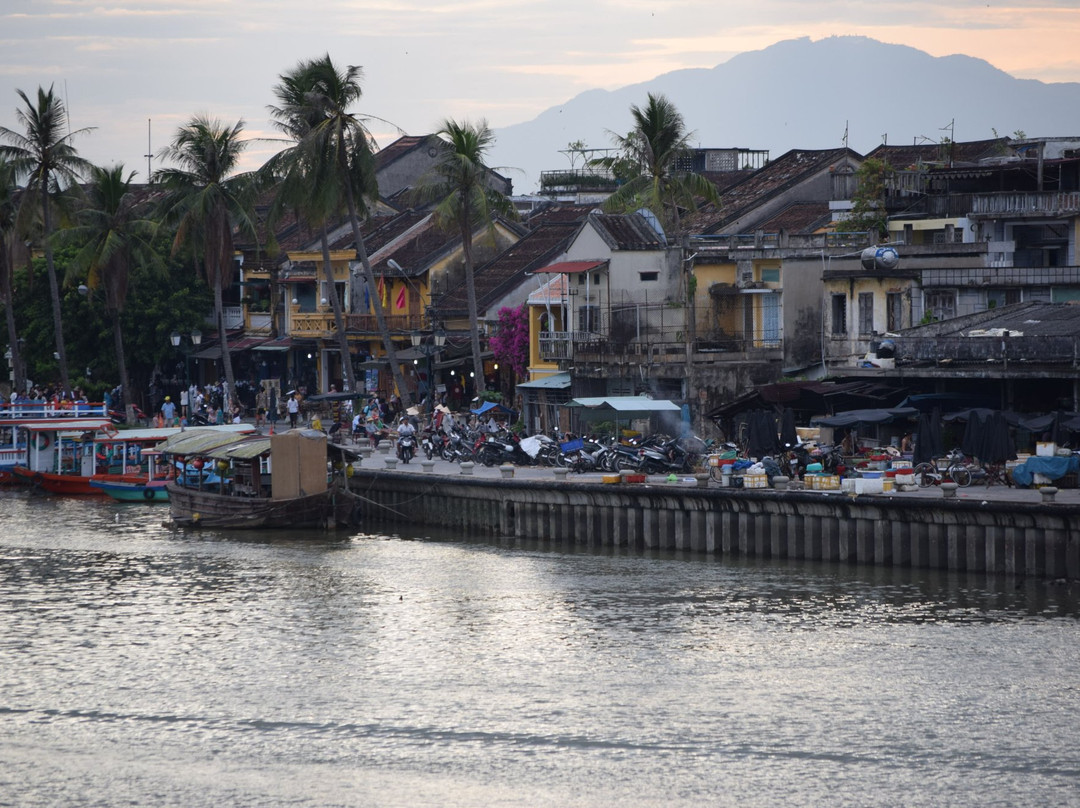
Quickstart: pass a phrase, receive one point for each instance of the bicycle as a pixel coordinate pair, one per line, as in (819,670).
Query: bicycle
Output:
(957,470)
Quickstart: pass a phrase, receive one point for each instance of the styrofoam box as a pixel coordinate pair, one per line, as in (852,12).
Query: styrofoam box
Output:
(904,479)
(867,485)
(848,484)
(755,481)
(1043,449)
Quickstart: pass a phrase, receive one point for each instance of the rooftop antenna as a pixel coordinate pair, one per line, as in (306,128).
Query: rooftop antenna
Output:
(844,139)
(149,154)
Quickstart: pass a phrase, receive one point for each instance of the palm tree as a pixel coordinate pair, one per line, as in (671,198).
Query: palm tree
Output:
(305,178)
(464,199)
(334,144)
(206,198)
(112,239)
(655,144)
(8,209)
(47,159)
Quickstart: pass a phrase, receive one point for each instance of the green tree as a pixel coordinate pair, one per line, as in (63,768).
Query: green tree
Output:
(112,237)
(8,240)
(868,211)
(464,200)
(205,199)
(334,146)
(305,177)
(45,156)
(653,147)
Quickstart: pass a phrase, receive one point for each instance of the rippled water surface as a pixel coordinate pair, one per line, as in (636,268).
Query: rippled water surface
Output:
(142,666)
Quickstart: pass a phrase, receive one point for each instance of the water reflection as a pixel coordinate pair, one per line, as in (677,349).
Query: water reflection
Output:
(142,665)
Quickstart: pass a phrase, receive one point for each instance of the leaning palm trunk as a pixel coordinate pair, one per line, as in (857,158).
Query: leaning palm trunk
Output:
(226,357)
(121,363)
(339,317)
(54,292)
(8,295)
(380,314)
(480,383)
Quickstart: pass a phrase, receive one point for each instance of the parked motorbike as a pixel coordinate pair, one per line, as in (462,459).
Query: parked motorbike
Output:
(433,443)
(674,456)
(495,449)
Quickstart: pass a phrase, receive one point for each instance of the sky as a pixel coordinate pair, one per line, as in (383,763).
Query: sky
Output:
(135,71)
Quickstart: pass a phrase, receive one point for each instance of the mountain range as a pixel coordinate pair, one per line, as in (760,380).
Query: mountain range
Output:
(808,95)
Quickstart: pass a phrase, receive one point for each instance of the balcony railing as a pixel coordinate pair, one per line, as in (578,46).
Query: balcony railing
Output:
(322,324)
(667,346)
(595,180)
(1050,203)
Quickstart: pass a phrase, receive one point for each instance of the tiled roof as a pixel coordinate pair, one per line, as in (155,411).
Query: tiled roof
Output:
(799,218)
(401,146)
(509,268)
(627,231)
(783,173)
(901,157)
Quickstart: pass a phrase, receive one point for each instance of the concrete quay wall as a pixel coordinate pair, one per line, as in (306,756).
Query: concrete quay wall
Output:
(1021,539)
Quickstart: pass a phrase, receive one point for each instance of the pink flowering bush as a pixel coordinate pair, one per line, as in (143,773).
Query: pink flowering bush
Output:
(510,344)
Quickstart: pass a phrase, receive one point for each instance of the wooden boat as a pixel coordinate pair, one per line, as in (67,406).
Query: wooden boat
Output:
(277,481)
(64,455)
(148,488)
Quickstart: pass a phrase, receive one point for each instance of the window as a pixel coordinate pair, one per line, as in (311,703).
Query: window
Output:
(866,312)
(894,311)
(839,314)
(649,276)
(770,276)
(940,305)
(588,318)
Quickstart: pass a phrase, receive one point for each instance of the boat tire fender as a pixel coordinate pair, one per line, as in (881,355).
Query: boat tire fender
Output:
(148,494)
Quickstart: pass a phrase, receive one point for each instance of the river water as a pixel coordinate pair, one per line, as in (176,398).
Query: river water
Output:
(143,666)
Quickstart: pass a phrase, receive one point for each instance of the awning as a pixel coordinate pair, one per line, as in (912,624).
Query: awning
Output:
(240,344)
(279,344)
(865,417)
(556,381)
(626,404)
(570,267)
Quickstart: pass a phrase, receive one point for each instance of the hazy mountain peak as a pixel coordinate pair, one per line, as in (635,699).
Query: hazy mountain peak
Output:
(801,93)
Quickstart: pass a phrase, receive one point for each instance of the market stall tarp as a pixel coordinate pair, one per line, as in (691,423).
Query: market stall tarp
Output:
(1052,467)
(865,417)
(493,408)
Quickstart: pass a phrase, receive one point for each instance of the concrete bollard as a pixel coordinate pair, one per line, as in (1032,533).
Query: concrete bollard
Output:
(428,465)
(560,473)
(384,447)
(702,480)
(390,462)
(506,471)
(467,467)
(948,490)
(1048,493)
(781,483)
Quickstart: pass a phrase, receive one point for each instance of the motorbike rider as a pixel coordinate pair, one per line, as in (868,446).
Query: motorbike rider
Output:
(405,427)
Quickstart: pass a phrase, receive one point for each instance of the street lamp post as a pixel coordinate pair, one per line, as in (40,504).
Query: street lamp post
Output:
(177,340)
(438,340)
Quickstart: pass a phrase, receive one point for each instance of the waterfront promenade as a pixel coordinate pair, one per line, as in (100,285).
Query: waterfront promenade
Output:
(994,530)
(974,493)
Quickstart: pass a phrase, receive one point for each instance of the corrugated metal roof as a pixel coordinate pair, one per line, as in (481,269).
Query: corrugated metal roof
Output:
(200,441)
(246,449)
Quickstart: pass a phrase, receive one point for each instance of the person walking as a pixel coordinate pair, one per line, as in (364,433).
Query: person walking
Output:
(293,407)
(168,412)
